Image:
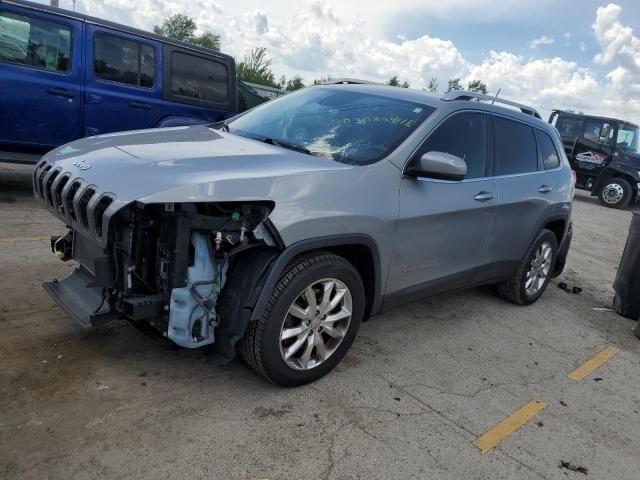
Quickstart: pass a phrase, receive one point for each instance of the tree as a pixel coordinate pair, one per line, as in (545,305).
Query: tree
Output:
(394,82)
(477,86)
(256,68)
(320,81)
(454,84)
(433,85)
(182,27)
(295,83)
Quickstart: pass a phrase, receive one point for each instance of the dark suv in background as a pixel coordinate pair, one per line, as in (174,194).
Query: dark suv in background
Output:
(604,154)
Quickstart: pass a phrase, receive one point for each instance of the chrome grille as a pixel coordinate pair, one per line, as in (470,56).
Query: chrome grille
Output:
(73,200)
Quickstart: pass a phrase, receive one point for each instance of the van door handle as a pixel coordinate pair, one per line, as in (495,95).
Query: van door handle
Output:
(484,196)
(61,92)
(545,189)
(140,105)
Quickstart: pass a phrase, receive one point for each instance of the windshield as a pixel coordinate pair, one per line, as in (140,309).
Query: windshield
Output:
(627,138)
(342,125)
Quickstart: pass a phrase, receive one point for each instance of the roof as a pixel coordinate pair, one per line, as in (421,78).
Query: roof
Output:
(115,26)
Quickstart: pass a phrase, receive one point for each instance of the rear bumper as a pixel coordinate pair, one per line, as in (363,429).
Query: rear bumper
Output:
(81,299)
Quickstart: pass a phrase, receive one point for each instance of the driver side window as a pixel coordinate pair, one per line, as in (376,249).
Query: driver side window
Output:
(463,135)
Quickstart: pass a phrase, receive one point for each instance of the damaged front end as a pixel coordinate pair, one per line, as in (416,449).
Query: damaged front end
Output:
(162,264)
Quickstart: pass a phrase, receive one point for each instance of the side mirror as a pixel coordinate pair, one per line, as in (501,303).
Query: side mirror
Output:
(439,165)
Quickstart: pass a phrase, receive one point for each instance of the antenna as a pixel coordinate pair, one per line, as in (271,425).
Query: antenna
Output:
(496,97)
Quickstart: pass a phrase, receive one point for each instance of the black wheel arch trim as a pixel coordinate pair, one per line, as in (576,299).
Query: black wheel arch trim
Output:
(320,243)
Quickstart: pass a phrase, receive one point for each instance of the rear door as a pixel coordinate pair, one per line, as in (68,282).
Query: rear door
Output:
(526,195)
(123,83)
(40,78)
(593,147)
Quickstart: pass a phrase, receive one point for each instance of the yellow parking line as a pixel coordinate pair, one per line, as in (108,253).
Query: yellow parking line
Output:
(592,364)
(501,431)
(23,239)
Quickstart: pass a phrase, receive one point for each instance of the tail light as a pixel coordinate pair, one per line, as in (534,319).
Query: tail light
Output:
(573,175)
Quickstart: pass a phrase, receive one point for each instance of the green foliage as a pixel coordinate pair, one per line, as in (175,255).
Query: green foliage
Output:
(321,80)
(454,84)
(182,27)
(433,85)
(394,82)
(256,68)
(295,83)
(477,86)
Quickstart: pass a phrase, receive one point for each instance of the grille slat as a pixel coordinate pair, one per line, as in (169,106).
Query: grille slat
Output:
(71,199)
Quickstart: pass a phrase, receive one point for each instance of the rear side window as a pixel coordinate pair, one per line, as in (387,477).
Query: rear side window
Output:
(198,78)
(548,151)
(34,42)
(463,135)
(515,147)
(117,59)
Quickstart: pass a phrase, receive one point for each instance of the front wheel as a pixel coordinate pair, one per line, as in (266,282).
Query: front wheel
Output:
(615,193)
(310,321)
(531,278)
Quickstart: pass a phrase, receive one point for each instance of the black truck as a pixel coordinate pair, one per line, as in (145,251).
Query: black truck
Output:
(604,153)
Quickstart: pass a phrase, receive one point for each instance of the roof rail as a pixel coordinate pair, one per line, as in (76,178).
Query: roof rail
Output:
(348,81)
(480,97)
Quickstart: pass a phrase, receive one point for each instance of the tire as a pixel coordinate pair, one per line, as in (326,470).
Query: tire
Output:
(264,347)
(615,193)
(515,289)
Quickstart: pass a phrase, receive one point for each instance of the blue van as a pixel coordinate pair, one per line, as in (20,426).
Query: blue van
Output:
(65,76)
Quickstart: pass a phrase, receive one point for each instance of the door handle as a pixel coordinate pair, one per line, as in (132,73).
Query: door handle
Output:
(140,105)
(61,92)
(484,196)
(545,189)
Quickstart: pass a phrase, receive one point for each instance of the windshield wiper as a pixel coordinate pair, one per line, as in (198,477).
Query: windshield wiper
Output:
(289,146)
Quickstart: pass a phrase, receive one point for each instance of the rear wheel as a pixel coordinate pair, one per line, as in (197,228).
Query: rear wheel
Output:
(310,321)
(531,278)
(615,193)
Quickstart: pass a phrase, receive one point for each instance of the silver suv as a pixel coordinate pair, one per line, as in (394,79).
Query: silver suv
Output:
(277,233)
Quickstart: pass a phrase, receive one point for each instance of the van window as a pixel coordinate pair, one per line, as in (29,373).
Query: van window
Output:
(117,59)
(515,147)
(34,42)
(198,78)
(548,151)
(463,135)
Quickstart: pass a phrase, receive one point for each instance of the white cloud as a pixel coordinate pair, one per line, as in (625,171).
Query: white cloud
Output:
(620,50)
(543,40)
(583,46)
(314,39)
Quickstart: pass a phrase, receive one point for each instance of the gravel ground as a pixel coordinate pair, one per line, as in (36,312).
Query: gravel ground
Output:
(420,384)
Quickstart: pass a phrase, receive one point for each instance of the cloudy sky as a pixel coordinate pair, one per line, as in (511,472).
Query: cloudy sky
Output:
(576,54)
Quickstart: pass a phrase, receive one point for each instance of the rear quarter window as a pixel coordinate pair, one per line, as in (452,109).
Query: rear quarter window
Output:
(548,151)
(120,60)
(197,78)
(515,147)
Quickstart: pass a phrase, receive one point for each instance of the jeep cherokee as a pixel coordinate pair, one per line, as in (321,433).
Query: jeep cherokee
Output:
(278,232)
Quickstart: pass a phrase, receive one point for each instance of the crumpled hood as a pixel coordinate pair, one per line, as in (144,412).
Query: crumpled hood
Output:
(137,164)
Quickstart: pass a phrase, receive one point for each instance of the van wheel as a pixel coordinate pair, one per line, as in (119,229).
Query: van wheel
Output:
(309,323)
(534,273)
(615,193)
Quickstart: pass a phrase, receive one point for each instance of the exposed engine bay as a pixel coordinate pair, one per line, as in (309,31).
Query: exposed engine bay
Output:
(165,265)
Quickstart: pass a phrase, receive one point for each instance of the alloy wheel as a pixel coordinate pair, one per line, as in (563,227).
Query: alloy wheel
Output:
(539,269)
(315,324)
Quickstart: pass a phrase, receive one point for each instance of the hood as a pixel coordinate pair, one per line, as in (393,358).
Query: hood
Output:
(137,164)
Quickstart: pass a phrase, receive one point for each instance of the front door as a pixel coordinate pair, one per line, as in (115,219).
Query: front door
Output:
(444,225)
(593,148)
(123,83)
(40,79)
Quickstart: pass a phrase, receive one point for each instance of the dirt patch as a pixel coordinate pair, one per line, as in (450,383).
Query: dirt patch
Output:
(266,412)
